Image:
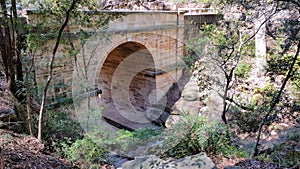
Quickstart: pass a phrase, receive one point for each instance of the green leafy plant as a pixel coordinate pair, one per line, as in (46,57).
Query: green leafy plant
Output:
(87,153)
(60,129)
(201,135)
(130,139)
(242,70)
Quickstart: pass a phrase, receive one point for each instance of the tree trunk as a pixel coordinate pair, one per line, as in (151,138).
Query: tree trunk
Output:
(7,49)
(44,96)
(17,41)
(260,45)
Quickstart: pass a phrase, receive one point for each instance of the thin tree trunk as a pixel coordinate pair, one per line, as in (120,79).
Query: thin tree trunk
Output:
(17,41)
(6,49)
(44,96)
(28,109)
(29,95)
(276,100)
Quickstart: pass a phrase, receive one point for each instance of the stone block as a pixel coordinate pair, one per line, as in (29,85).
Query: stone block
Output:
(188,107)
(198,161)
(191,92)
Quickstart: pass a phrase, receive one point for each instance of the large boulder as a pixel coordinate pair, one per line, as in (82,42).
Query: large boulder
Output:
(173,119)
(191,91)
(183,107)
(198,161)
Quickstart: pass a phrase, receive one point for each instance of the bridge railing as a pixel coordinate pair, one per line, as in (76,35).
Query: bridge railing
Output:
(197,11)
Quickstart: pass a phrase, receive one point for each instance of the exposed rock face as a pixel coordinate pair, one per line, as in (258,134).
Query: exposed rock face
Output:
(6,99)
(198,161)
(189,104)
(200,96)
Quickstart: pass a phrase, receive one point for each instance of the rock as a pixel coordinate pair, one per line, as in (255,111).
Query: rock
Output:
(152,162)
(6,112)
(198,161)
(6,100)
(298,120)
(154,112)
(233,167)
(190,95)
(175,112)
(117,161)
(204,111)
(191,92)
(172,120)
(147,147)
(188,107)
(267,148)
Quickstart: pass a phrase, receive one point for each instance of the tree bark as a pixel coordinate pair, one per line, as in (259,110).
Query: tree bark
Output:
(16,41)
(6,49)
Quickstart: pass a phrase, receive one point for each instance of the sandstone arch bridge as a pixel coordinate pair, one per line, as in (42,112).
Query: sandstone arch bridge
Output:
(135,69)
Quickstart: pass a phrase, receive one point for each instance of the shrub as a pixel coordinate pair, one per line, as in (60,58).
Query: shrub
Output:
(210,137)
(60,129)
(242,70)
(246,121)
(87,153)
(127,140)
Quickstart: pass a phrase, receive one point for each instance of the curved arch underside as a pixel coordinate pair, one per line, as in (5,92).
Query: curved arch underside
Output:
(127,79)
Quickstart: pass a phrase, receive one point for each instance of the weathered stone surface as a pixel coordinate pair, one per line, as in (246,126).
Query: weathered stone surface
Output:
(198,161)
(148,147)
(6,100)
(5,111)
(204,111)
(233,167)
(172,120)
(191,92)
(144,162)
(188,107)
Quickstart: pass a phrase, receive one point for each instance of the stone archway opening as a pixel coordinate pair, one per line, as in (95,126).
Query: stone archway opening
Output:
(128,76)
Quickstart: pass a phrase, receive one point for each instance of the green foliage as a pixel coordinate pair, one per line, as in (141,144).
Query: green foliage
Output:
(267,94)
(143,133)
(5,139)
(123,134)
(59,129)
(190,59)
(210,137)
(242,70)
(129,140)
(86,153)
(245,121)
(279,64)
